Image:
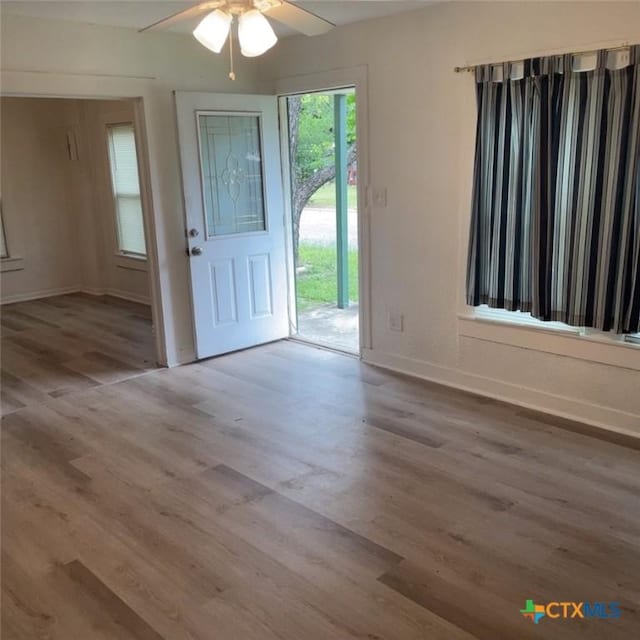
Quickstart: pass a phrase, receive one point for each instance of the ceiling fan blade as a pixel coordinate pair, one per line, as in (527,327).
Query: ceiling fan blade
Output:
(300,19)
(185,14)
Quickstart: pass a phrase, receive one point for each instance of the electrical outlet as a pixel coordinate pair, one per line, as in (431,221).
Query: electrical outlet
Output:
(396,322)
(380,197)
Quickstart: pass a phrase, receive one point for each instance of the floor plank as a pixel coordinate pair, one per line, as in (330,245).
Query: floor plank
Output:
(58,345)
(286,492)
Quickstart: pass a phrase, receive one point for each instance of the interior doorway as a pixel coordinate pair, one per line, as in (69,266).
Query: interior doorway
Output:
(75,291)
(323,172)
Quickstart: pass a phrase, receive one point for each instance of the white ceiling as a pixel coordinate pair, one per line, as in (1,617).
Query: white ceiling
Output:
(136,14)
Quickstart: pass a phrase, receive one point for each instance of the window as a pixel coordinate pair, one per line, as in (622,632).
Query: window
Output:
(126,189)
(554,229)
(231,173)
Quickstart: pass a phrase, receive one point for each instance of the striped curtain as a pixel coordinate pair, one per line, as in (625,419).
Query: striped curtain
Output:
(555,224)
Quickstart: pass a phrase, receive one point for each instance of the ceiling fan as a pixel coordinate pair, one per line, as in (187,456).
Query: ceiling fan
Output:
(255,34)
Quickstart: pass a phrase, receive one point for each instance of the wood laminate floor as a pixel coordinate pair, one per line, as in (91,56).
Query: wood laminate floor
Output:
(290,493)
(53,346)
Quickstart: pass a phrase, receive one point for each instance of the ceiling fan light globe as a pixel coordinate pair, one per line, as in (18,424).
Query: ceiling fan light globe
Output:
(213,30)
(255,34)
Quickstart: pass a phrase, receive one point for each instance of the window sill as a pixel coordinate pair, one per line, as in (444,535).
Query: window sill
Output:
(11,264)
(567,342)
(134,263)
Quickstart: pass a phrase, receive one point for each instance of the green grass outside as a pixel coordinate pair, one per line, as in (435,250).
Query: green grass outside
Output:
(318,284)
(325,196)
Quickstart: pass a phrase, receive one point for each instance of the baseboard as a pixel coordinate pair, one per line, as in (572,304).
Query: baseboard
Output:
(598,416)
(36,295)
(123,295)
(50,293)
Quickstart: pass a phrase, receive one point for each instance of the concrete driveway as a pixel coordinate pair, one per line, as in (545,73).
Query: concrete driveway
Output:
(318,226)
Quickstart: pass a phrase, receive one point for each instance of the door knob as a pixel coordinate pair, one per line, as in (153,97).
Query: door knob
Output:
(193,233)
(196,251)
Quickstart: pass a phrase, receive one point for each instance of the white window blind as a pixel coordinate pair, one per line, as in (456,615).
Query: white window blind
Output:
(126,189)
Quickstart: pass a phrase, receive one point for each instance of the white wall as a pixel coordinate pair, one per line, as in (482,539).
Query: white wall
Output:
(73,59)
(38,207)
(421,139)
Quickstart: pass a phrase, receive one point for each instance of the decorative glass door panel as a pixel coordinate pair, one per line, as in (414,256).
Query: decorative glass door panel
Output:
(232,173)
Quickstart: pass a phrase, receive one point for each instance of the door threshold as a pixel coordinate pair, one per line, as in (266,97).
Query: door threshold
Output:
(324,347)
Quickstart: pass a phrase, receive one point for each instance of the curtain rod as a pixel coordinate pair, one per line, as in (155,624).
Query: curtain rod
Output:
(472,67)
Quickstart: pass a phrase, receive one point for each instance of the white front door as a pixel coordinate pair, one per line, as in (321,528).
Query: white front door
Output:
(232,185)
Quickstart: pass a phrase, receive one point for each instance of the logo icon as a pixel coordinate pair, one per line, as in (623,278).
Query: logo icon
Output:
(533,612)
(567,610)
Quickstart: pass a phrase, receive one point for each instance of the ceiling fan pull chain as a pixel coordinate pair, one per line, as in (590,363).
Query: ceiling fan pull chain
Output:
(232,73)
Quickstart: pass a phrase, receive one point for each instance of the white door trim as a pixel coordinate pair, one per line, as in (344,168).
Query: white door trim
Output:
(21,84)
(337,79)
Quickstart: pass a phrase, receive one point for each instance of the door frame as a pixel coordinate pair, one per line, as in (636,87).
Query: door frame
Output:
(349,77)
(146,193)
